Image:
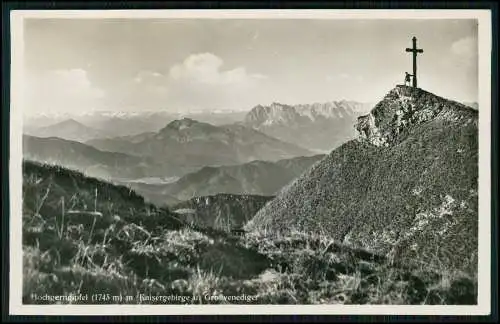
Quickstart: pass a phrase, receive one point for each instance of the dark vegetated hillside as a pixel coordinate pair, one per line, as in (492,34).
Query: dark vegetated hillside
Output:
(204,182)
(79,193)
(221,211)
(254,178)
(157,194)
(407,187)
(300,164)
(135,248)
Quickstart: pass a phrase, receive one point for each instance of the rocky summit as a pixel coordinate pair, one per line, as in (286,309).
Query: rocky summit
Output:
(406,187)
(403,109)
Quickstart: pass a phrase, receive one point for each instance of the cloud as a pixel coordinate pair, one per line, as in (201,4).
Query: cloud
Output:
(200,82)
(148,76)
(152,82)
(61,90)
(144,90)
(205,68)
(465,48)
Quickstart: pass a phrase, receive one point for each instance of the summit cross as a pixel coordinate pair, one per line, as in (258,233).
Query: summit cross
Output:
(415,51)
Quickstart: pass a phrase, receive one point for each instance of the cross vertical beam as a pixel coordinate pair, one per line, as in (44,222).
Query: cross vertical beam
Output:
(414,50)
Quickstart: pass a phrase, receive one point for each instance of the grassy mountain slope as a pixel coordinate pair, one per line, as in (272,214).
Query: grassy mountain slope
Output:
(136,250)
(407,187)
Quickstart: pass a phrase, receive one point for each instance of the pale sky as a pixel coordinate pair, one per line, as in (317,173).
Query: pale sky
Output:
(202,64)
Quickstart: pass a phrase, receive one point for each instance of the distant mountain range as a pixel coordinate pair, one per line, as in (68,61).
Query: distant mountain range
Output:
(117,123)
(182,147)
(406,186)
(190,145)
(254,178)
(319,126)
(68,129)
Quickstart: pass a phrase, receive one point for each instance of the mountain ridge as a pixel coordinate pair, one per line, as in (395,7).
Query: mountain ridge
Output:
(319,126)
(339,109)
(190,145)
(90,160)
(68,129)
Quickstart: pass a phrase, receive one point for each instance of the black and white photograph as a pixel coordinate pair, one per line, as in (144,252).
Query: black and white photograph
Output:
(249,159)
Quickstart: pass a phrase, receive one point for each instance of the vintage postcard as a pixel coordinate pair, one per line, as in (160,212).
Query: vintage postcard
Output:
(250,162)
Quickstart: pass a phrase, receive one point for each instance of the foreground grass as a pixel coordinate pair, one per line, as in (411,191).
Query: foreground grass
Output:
(311,269)
(134,253)
(193,267)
